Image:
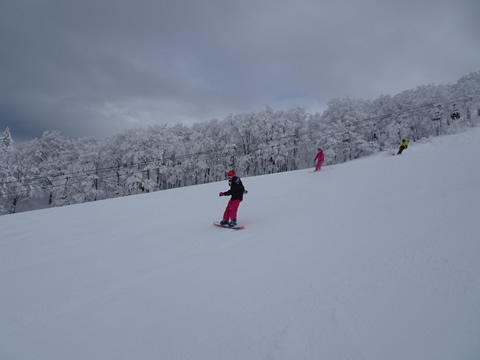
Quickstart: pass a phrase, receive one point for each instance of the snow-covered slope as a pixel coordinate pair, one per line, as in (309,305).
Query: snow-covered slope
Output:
(378,258)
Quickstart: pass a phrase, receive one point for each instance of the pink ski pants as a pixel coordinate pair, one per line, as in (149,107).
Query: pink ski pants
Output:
(231,210)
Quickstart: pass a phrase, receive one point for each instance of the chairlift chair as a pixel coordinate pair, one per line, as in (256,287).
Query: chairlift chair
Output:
(455,115)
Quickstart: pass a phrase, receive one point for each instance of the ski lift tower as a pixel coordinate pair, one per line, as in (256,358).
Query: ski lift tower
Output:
(346,137)
(437,112)
(373,132)
(437,118)
(402,119)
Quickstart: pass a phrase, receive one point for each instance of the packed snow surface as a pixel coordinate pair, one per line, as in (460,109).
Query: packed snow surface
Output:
(378,258)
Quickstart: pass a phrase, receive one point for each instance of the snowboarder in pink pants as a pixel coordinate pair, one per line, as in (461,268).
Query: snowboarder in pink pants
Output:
(236,191)
(319,158)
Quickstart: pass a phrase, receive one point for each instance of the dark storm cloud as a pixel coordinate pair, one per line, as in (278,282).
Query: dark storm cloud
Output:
(96,67)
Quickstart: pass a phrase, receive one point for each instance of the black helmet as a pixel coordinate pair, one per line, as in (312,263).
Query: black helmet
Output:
(404,140)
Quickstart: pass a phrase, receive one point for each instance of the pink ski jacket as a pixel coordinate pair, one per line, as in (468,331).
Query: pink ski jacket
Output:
(320,156)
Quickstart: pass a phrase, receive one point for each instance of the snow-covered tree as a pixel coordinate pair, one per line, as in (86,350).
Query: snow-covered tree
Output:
(19,179)
(6,141)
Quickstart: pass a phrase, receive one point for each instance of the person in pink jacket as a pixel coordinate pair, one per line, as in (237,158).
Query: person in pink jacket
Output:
(319,158)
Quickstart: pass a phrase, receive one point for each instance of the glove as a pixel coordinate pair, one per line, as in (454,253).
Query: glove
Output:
(221,194)
(245,191)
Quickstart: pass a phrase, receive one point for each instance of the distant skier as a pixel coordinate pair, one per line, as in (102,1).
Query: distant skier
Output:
(236,191)
(319,158)
(402,147)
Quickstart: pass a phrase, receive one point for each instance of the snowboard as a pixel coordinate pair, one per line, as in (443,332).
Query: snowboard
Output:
(236,227)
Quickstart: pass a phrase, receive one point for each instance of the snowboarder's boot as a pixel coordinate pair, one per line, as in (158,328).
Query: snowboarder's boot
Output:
(233,222)
(224,222)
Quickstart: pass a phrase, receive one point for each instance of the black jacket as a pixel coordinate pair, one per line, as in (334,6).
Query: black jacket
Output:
(236,189)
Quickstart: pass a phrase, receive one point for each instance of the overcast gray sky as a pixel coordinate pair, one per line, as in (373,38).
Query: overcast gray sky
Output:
(95,67)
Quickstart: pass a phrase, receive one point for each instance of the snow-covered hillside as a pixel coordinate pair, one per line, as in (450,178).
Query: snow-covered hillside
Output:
(378,258)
